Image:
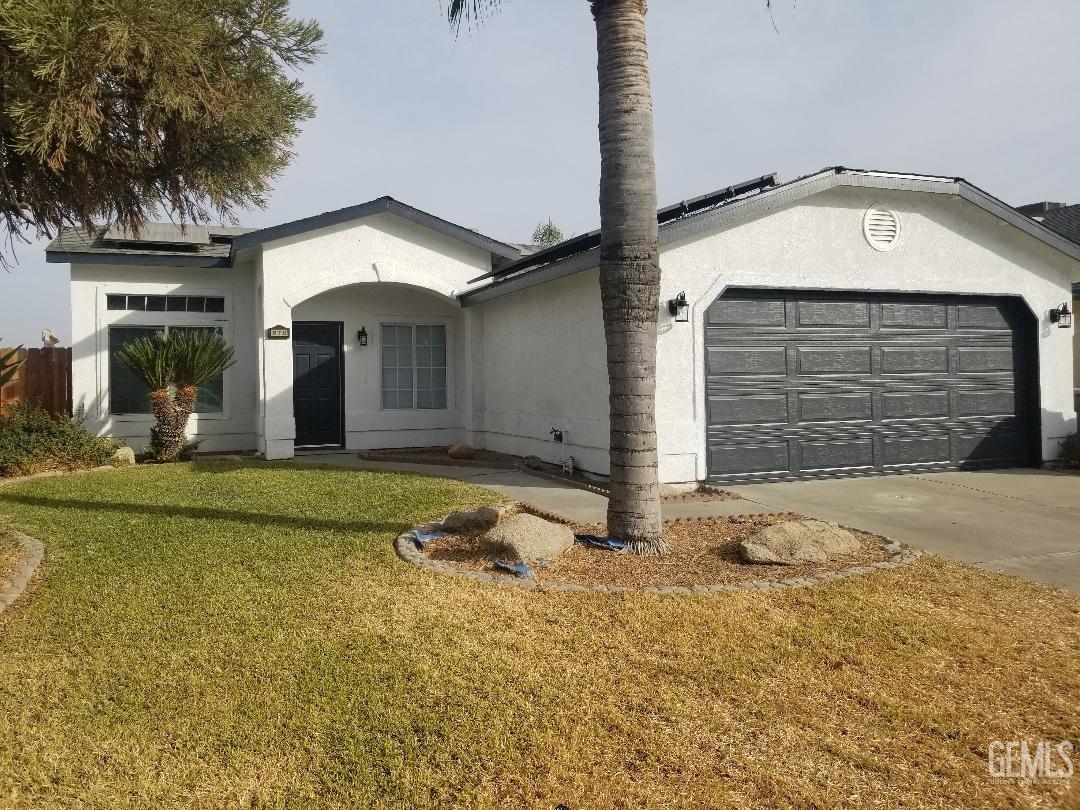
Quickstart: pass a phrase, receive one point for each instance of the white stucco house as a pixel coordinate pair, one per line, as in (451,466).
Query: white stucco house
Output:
(843,323)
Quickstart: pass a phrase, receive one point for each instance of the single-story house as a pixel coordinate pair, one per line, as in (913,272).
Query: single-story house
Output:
(843,323)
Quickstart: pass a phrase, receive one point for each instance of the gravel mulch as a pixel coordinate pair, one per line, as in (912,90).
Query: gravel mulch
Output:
(704,551)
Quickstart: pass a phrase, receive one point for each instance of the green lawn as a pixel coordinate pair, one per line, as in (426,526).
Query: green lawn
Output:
(243,635)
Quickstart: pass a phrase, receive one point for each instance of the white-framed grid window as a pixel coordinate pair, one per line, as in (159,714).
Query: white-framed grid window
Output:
(130,395)
(413,366)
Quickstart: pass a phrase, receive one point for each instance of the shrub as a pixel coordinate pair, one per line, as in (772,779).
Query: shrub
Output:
(32,441)
(1070,449)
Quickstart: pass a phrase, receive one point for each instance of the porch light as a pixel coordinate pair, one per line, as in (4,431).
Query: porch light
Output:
(1061,316)
(679,309)
(361,336)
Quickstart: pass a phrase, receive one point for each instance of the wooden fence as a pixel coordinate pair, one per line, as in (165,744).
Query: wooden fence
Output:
(44,379)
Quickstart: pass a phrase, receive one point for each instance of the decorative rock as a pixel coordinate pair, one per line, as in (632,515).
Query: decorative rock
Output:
(798,542)
(481,518)
(534,462)
(528,538)
(462,451)
(124,457)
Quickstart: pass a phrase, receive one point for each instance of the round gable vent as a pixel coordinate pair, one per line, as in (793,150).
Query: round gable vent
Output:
(881,226)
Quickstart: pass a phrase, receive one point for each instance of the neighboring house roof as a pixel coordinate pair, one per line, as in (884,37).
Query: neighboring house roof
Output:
(743,202)
(1065,221)
(76,245)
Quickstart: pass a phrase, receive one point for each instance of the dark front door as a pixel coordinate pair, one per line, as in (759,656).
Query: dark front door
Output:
(317,384)
(808,385)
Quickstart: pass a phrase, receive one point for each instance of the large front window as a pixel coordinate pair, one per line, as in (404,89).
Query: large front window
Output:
(413,366)
(130,395)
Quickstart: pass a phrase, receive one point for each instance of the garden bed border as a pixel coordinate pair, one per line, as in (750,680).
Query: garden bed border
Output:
(409,550)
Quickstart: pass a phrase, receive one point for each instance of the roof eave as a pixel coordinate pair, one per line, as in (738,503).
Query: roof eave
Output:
(143,259)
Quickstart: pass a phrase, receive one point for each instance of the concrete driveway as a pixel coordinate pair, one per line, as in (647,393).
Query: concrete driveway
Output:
(1021,522)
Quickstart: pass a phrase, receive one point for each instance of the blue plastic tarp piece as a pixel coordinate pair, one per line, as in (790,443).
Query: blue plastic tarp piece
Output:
(517,569)
(423,538)
(606,543)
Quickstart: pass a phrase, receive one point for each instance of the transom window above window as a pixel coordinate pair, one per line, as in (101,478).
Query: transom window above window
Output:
(165,303)
(413,366)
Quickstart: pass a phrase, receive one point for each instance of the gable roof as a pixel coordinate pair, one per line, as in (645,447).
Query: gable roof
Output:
(387,205)
(740,206)
(77,245)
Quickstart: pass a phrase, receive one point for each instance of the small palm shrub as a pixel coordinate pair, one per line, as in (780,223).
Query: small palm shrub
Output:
(8,364)
(173,366)
(1070,449)
(32,441)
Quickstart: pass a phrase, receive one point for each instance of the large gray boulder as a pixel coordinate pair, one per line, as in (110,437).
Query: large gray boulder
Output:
(123,457)
(799,542)
(481,518)
(529,538)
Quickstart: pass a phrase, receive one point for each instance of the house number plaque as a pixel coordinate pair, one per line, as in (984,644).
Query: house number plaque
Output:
(277,333)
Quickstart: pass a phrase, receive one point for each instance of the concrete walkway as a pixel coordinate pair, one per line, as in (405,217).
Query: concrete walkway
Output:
(578,505)
(1021,522)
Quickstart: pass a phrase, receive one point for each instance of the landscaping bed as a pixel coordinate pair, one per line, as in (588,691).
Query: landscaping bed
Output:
(702,551)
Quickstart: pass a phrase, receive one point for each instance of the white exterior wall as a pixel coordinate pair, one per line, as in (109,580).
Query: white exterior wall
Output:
(367,425)
(947,246)
(381,249)
(234,428)
(544,366)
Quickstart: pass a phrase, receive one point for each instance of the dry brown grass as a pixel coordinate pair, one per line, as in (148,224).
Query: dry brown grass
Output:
(242,635)
(702,551)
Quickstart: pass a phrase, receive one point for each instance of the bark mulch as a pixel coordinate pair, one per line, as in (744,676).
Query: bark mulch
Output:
(704,551)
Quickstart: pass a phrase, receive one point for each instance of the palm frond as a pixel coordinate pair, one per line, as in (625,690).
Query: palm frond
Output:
(470,12)
(199,356)
(149,359)
(9,366)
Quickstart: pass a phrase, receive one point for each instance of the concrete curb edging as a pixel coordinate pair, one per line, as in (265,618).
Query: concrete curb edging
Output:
(33,553)
(408,550)
(33,549)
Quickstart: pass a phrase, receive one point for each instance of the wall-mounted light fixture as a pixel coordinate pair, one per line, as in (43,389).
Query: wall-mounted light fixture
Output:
(361,336)
(1061,316)
(679,309)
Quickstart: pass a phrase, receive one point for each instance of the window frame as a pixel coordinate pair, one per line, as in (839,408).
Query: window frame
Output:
(413,323)
(107,319)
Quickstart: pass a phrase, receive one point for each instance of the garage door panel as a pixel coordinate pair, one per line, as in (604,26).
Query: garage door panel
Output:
(979,359)
(834,313)
(835,407)
(903,315)
(915,360)
(750,458)
(747,312)
(901,450)
(981,316)
(813,385)
(749,409)
(836,455)
(833,360)
(986,403)
(767,360)
(915,405)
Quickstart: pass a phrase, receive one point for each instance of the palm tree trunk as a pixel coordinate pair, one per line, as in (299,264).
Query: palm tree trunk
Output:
(629,269)
(184,403)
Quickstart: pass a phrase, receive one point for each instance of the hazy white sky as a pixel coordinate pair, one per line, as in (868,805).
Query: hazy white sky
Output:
(497,130)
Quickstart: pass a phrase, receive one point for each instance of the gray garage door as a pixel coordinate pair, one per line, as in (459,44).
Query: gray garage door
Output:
(816,385)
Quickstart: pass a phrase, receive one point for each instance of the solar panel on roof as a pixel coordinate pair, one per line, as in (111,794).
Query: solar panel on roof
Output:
(160,233)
